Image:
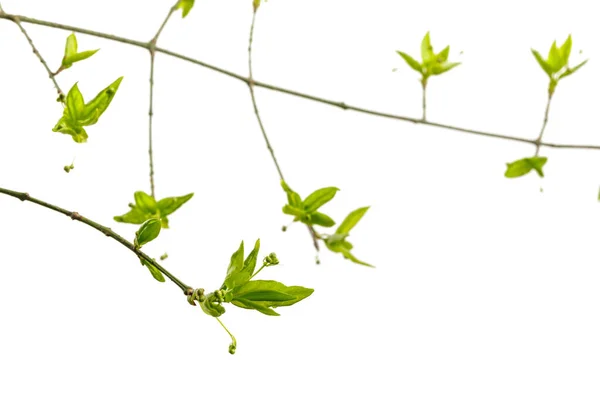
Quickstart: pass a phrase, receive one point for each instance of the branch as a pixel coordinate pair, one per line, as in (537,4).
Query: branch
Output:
(152,50)
(539,139)
(17,20)
(251,84)
(246,80)
(100,228)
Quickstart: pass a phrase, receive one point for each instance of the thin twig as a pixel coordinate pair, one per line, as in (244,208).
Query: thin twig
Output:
(152,51)
(105,230)
(16,19)
(424,85)
(279,89)
(539,139)
(251,87)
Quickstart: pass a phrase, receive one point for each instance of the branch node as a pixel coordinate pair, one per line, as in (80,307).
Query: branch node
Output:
(75,215)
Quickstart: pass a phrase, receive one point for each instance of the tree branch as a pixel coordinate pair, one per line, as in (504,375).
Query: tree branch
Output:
(16,19)
(250,82)
(152,50)
(100,228)
(246,80)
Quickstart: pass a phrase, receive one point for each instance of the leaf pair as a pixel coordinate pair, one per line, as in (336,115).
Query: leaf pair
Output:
(556,66)
(78,114)
(431,64)
(306,211)
(524,166)
(338,243)
(259,295)
(71,55)
(146,207)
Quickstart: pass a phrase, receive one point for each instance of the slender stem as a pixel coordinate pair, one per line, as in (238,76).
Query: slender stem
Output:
(233,344)
(538,141)
(152,51)
(290,92)
(315,237)
(251,87)
(424,85)
(17,20)
(105,230)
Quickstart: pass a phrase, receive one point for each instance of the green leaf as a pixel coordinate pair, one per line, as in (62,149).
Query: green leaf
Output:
(212,306)
(318,198)
(442,56)
(71,46)
(95,108)
(134,216)
(74,103)
(554,58)
(524,166)
(71,55)
(427,53)
(565,50)
(145,202)
(294,199)
(153,270)
(147,232)
(351,220)
(252,305)
(168,205)
(438,69)
(346,253)
(289,210)
(414,64)
(570,71)
(236,264)
(258,294)
(185,6)
(69,61)
(317,218)
(545,66)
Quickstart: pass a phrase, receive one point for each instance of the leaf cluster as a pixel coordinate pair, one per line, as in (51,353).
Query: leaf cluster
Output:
(78,114)
(146,207)
(431,63)
(306,211)
(556,66)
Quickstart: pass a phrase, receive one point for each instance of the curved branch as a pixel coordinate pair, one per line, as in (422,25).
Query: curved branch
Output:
(246,80)
(100,228)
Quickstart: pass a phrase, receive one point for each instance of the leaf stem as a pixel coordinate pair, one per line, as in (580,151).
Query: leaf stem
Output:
(152,51)
(538,141)
(233,344)
(100,228)
(251,84)
(16,19)
(290,92)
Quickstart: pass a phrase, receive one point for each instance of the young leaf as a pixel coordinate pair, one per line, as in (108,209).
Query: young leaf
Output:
(234,270)
(524,166)
(318,198)
(570,71)
(145,202)
(414,64)
(185,6)
(554,58)
(71,55)
(565,50)
(134,216)
(95,108)
(427,53)
(438,69)
(155,272)
(294,199)
(442,56)
(147,232)
(267,294)
(289,210)
(168,205)
(545,66)
(253,305)
(346,253)
(351,220)
(317,218)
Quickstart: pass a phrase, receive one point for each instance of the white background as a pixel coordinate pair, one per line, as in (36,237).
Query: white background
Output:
(485,288)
